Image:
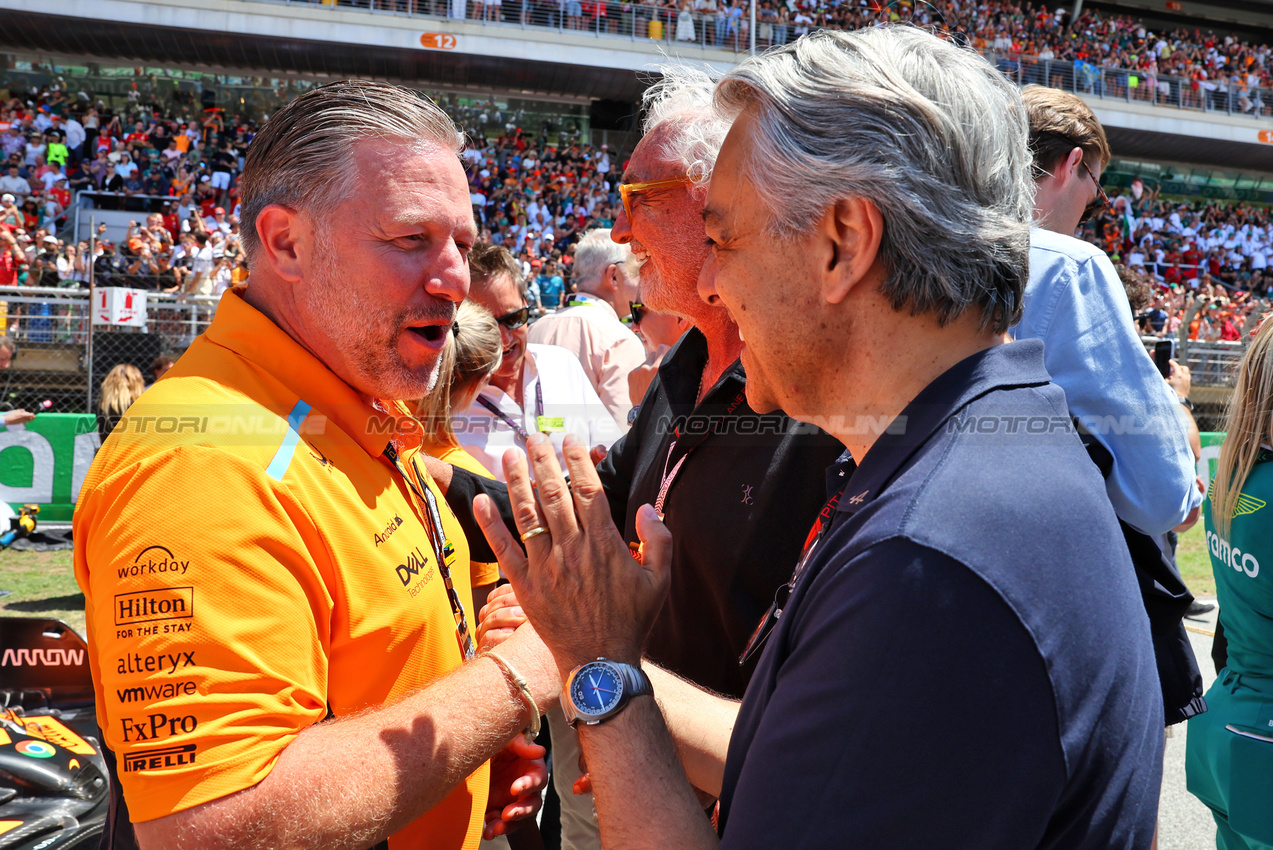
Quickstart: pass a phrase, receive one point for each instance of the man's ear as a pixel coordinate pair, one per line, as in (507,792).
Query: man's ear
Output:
(1073,164)
(851,232)
(284,233)
(610,280)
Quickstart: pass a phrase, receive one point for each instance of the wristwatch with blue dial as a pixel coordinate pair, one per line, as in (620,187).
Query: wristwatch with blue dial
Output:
(599,690)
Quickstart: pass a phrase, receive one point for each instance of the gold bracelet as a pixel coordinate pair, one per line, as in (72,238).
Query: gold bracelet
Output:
(523,690)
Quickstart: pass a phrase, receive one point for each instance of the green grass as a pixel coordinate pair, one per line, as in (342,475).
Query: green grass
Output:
(43,585)
(1194,561)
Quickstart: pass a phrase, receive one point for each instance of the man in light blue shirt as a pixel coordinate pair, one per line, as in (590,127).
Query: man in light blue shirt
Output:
(1076,304)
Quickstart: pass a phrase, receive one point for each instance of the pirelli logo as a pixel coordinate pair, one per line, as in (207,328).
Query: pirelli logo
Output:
(160,759)
(162,603)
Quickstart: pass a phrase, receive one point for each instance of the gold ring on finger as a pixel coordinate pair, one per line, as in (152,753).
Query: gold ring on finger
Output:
(534,532)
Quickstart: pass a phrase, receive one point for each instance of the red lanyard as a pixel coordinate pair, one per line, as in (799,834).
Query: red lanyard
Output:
(665,484)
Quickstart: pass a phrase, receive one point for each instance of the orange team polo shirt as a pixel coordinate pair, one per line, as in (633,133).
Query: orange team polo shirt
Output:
(251,562)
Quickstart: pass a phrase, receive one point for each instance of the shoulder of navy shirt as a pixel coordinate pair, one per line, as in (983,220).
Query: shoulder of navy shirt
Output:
(966,661)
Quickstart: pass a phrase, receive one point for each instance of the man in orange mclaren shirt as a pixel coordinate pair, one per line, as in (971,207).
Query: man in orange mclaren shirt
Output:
(279,601)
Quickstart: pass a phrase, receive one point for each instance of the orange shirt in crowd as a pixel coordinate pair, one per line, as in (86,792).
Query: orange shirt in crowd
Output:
(252,562)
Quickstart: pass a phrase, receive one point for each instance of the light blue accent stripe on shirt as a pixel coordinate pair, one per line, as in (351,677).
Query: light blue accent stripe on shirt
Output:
(283,457)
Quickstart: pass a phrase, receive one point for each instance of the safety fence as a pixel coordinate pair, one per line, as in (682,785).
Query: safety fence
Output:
(108,215)
(1213,367)
(1219,95)
(634,21)
(730,28)
(67,340)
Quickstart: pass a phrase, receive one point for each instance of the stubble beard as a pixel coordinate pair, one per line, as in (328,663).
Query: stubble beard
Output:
(352,323)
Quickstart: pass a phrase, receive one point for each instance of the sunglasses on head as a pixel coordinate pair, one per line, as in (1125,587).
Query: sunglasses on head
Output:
(638,312)
(515,319)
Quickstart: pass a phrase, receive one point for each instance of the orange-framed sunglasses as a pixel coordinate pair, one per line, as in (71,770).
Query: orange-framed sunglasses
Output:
(626,190)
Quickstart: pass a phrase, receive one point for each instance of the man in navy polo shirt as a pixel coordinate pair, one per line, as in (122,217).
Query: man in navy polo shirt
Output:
(957,662)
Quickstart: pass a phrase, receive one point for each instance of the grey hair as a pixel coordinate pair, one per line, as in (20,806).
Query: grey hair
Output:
(593,255)
(929,132)
(303,156)
(681,104)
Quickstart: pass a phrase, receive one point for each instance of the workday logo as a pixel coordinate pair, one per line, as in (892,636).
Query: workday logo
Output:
(154,560)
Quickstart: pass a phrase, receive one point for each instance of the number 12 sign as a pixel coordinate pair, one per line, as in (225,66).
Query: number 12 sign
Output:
(438,41)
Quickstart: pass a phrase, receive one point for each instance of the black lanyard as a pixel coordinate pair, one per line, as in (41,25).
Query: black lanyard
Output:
(508,420)
(442,548)
(821,526)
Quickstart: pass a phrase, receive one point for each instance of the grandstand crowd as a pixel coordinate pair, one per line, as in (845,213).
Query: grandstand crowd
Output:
(1191,68)
(536,193)
(180,177)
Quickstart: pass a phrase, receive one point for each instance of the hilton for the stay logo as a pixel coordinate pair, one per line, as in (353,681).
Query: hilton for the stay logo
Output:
(162,603)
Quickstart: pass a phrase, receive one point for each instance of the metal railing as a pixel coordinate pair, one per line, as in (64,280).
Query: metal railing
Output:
(722,30)
(62,356)
(112,209)
(633,21)
(1211,364)
(1156,89)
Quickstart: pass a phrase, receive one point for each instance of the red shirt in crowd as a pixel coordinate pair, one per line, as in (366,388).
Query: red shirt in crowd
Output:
(8,268)
(1192,260)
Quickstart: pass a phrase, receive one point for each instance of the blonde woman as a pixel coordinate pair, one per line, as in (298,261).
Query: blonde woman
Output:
(123,386)
(471,356)
(1229,754)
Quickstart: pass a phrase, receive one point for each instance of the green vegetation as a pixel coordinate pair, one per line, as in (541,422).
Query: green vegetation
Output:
(43,585)
(1195,562)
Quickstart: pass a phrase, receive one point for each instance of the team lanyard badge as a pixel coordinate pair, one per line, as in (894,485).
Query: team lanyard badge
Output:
(442,548)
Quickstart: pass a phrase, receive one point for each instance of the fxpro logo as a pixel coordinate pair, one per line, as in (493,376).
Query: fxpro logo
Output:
(42,658)
(152,727)
(160,759)
(1243,562)
(154,560)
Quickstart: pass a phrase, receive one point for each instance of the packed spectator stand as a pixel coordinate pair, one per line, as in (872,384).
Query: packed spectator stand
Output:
(1097,53)
(179,175)
(536,187)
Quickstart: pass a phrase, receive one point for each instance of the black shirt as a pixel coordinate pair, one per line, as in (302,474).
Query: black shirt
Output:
(739,509)
(965,662)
